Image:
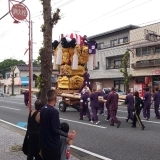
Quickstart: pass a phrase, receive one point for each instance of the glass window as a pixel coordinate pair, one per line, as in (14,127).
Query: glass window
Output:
(138,51)
(113,42)
(125,39)
(157,49)
(144,51)
(120,41)
(117,64)
(100,45)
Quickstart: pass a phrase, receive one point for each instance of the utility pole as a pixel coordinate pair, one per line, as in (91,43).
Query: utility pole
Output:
(13,77)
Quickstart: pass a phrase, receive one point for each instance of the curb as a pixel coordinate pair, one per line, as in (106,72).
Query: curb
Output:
(77,152)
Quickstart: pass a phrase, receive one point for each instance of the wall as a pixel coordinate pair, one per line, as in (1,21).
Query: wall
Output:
(26,73)
(137,36)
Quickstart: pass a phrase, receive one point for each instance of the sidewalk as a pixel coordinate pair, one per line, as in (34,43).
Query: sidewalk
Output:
(8,141)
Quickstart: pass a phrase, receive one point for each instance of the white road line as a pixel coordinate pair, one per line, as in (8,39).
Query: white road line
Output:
(10,108)
(75,147)
(10,102)
(143,120)
(122,111)
(91,153)
(83,123)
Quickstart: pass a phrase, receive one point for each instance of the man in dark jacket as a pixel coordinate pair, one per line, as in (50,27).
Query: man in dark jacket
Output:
(156,99)
(94,106)
(147,104)
(130,105)
(107,106)
(26,97)
(112,101)
(84,110)
(101,104)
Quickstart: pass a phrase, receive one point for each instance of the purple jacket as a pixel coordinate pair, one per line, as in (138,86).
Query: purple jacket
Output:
(86,77)
(105,96)
(147,98)
(94,100)
(129,101)
(156,98)
(112,101)
(84,99)
(26,95)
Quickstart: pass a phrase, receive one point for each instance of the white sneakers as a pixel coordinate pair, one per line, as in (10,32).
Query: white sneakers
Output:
(97,122)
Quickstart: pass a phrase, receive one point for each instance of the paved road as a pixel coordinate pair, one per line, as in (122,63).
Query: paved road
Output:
(124,143)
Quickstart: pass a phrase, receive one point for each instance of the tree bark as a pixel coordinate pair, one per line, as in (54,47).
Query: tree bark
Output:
(46,51)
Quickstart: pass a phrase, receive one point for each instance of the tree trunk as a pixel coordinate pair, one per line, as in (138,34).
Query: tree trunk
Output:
(46,51)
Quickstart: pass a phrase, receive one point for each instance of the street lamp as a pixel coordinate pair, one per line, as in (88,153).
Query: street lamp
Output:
(19,12)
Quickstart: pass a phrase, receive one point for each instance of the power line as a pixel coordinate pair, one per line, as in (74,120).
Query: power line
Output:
(116,13)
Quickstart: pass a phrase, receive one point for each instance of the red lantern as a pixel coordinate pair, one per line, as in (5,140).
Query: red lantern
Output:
(147,80)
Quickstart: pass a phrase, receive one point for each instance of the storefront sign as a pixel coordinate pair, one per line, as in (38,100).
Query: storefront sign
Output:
(19,12)
(156,72)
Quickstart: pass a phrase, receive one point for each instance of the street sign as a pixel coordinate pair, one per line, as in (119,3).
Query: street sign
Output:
(19,12)
(156,72)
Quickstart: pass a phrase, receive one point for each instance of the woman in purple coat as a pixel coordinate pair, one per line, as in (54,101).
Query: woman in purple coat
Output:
(130,105)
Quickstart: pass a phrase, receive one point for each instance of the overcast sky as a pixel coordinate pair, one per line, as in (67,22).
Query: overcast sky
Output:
(90,18)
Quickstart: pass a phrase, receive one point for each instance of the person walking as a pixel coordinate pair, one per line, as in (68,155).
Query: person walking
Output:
(33,131)
(101,104)
(147,104)
(112,102)
(156,99)
(107,106)
(84,110)
(129,101)
(26,98)
(94,106)
(137,110)
(50,129)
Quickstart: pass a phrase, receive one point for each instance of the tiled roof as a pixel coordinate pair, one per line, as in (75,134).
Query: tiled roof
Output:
(25,68)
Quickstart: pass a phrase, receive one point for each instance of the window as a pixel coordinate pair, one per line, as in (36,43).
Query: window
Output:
(96,68)
(113,43)
(157,49)
(138,51)
(143,51)
(125,39)
(117,64)
(100,45)
(120,41)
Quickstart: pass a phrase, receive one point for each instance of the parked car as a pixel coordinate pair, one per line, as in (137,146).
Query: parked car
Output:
(118,91)
(1,93)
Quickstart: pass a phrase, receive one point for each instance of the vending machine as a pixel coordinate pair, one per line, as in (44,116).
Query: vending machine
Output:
(140,88)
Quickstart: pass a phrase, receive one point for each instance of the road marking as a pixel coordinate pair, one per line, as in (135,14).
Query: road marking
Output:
(10,108)
(91,153)
(83,123)
(122,111)
(11,102)
(144,120)
(21,124)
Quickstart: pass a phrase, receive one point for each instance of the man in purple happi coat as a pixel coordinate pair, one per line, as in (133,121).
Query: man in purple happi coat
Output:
(94,106)
(130,105)
(112,101)
(101,104)
(105,96)
(147,104)
(156,99)
(86,81)
(84,105)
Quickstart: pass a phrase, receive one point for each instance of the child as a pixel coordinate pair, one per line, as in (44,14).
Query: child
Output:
(65,142)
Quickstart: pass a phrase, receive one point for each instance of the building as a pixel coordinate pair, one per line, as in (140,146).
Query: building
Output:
(111,47)
(145,55)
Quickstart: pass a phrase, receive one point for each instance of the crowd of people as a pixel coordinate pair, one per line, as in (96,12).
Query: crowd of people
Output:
(134,103)
(46,138)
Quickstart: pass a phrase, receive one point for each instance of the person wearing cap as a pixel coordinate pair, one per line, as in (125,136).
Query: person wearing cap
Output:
(112,101)
(129,101)
(147,104)
(84,110)
(94,103)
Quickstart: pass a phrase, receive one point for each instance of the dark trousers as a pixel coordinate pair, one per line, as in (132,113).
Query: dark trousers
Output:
(51,154)
(130,113)
(156,109)
(94,114)
(137,118)
(146,111)
(84,110)
(33,147)
(108,113)
(114,119)
(101,107)
(26,102)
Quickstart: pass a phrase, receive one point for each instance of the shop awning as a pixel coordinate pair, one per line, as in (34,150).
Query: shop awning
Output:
(25,81)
